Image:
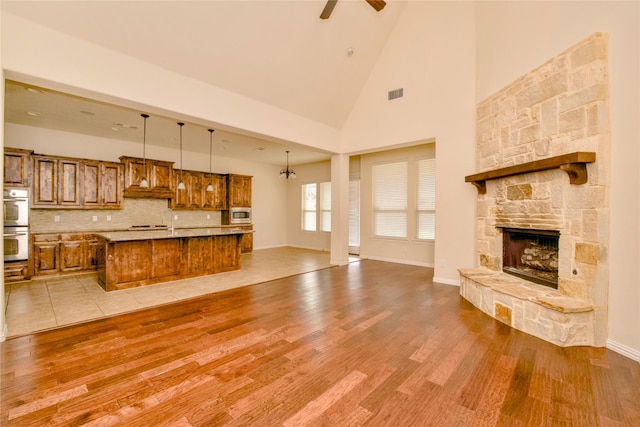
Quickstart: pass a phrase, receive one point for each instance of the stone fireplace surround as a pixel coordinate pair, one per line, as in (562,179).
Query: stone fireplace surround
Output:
(559,108)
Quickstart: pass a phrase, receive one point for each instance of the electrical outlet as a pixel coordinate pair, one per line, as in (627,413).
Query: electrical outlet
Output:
(95,218)
(208,216)
(108,217)
(443,263)
(56,218)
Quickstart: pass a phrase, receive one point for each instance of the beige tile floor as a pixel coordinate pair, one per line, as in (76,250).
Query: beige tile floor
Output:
(52,302)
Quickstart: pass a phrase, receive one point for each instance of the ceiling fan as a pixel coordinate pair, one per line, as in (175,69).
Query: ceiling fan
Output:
(378,5)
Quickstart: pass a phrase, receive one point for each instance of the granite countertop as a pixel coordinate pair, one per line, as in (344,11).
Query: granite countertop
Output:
(123,236)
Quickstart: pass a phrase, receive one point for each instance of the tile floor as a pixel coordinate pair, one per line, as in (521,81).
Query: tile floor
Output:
(47,303)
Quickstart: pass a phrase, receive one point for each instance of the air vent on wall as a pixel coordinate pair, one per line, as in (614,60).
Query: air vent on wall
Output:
(396,93)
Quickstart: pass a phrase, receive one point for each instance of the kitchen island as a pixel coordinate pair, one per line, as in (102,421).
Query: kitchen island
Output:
(127,259)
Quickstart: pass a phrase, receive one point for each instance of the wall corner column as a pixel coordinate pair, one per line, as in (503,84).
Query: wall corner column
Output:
(339,209)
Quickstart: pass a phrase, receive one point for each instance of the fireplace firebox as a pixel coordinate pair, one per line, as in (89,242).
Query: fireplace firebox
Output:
(531,255)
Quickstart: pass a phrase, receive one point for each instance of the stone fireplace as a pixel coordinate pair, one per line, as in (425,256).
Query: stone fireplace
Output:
(543,149)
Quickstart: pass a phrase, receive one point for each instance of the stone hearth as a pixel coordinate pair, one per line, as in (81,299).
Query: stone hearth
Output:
(559,108)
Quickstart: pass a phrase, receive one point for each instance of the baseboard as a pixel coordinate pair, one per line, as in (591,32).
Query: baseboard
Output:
(629,352)
(397,261)
(444,281)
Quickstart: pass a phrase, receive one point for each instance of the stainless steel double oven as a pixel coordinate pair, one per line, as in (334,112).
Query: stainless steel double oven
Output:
(16,224)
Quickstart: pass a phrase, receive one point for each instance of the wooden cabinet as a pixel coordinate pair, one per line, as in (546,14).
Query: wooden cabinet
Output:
(216,199)
(159,174)
(17,167)
(195,194)
(73,183)
(246,243)
(64,253)
(239,191)
(102,184)
(16,270)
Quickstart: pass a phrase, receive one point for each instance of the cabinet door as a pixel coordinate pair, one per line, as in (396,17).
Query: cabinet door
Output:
(91,252)
(45,186)
(200,254)
(181,197)
(246,243)
(111,184)
(239,191)
(69,185)
(90,183)
(196,196)
(72,255)
(46,258)
(216,199)
(16,167)
(161,176)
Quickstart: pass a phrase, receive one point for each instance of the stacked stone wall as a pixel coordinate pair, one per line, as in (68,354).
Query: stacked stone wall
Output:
(559,108)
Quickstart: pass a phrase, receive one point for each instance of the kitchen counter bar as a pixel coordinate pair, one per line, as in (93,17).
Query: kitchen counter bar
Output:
(129,259)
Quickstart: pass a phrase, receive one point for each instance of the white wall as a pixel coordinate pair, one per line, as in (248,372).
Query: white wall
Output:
(511,41)
(431,54)
(268,190)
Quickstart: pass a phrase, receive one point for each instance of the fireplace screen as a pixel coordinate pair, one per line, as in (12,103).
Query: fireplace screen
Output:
(531,255)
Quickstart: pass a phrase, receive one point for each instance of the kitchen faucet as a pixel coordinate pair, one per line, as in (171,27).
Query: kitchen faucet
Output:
(170,216)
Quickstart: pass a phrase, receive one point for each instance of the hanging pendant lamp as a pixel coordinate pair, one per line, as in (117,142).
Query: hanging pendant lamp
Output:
(181,185)
(144,182)
(288,172)
(210,186)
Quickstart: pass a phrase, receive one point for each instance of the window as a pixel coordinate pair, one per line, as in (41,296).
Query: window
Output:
(426,203)
(309,207)
(316,206)
(354,214)
(325,206)
(390,199)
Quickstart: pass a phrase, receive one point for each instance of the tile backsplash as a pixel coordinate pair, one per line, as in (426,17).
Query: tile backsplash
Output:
(133,212)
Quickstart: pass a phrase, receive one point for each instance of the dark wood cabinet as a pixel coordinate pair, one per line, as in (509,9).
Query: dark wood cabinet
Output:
(64,253)
(195,194)
(216,199)
(73,183)
(159,174)
(246,244)
(239,191)
(17,167)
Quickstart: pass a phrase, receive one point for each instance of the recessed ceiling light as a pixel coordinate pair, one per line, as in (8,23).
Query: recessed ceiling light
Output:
(259,148)
(114,128)
(226,140)
(88,113)
(34,113)
(124,125)
(34,90)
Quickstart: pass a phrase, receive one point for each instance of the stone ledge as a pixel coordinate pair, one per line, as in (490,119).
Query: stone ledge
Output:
(531,308)
(522,289)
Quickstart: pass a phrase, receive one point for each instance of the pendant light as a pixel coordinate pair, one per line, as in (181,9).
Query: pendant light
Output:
(210,186)
(144,182)
(287,173)
(181,185)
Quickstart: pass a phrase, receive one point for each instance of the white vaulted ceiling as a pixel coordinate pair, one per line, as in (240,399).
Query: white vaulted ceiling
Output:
(276,52)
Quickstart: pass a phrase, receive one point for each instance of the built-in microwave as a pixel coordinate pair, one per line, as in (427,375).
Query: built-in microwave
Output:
(240,216)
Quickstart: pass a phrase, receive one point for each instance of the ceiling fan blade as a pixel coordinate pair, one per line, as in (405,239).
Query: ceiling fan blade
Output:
(328,8)
(378,5)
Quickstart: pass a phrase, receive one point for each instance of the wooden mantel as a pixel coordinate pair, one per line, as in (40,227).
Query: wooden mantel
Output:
(573,164)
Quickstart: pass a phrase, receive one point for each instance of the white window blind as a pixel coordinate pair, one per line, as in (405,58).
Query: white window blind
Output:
(309,207)
(354,213)
(426,203)
(390,199)
(325,206)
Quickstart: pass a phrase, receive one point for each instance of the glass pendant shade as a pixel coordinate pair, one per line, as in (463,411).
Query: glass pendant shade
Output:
(144,182)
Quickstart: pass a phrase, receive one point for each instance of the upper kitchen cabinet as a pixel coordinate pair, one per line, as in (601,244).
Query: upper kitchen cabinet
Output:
(216,199)
(17,167)
(69,183)
(195,194)
(239,190)
(102,184)
(159,174)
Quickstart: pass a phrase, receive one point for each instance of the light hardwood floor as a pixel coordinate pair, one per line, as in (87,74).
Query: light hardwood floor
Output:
(370,343)
(51,302)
